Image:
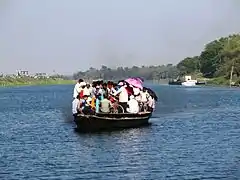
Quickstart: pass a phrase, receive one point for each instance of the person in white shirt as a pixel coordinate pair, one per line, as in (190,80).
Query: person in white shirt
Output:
(133,105)
(76,106)
(151,103)
(87,90)
(137,94)
(110,88)
(144,96)
(77,88)
(136,91)
(123,97)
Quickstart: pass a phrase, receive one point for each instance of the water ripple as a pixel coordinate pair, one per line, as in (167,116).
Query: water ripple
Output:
(195,135)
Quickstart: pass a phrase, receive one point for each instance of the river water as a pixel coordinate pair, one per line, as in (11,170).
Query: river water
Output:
(195,134)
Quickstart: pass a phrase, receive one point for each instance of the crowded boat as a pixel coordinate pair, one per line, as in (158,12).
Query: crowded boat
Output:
(126,96)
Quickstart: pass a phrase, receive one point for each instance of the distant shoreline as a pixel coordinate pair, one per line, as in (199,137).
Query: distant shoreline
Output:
(29,81)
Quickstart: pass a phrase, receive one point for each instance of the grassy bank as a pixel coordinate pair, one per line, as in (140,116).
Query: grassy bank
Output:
(23,81)
(222,81)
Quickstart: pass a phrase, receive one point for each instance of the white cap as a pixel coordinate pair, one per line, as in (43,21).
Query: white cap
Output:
(120,84)
(82,84)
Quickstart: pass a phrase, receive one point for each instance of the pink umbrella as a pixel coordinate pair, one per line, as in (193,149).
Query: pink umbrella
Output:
(136,82)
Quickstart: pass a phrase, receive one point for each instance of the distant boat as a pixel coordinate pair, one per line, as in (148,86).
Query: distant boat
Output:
(175,82)
(188,82)
(200,83)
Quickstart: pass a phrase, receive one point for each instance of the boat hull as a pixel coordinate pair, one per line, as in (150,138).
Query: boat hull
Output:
(201,83)
(175,83)
(189,84)
(102,122)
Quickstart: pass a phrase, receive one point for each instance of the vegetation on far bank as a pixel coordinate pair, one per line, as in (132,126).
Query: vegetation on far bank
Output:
(213,64)
(21,81)
(216,62)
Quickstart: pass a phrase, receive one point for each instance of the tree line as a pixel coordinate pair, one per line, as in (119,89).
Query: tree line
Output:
(146,72)
(216,60)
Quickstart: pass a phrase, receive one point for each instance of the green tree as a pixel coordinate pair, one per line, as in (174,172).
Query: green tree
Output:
(188,65)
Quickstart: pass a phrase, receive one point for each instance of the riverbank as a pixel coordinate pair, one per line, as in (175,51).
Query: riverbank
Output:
(222,81)
(25,81)
(216,81)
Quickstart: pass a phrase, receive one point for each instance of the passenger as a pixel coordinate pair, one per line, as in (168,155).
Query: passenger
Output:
(123,96)
(138,97)
(82,87)
(110,88)
(76,106)
(133,105)
(137,94)
(151,104)
(129,89)
(136,91)
(104,89)
(93,105)
(105,104)
(87,90)
(85,105)
(144,95)
(115,87)
(98,94)
(77,88)
(100,83)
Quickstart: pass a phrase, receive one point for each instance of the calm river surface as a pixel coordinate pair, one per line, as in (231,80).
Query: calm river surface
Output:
(195,134)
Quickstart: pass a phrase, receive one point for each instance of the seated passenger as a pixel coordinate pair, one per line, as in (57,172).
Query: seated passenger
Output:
(76,106)
(85,105)
(133,105)
(93,103)
(105,104)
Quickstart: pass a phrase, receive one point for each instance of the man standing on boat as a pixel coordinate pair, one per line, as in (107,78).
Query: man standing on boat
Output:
(87,90)
(76,106)
(77,88)
(123,95)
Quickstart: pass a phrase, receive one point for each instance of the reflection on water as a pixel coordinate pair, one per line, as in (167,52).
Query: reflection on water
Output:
(194,135)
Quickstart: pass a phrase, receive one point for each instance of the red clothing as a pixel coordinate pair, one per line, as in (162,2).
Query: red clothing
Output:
(129,90)
(112,99)
(81,94)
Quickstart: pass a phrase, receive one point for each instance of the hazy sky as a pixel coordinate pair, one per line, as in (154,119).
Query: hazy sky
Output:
(71,35)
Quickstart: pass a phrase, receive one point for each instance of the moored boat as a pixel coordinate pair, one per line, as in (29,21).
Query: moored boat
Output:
(175,82)
(188,81)
(106,121)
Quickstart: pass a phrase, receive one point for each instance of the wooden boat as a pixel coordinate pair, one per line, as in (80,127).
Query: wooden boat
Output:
(109,121)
